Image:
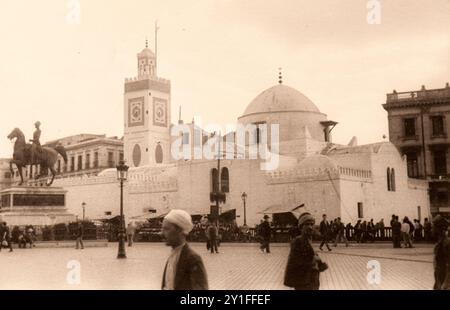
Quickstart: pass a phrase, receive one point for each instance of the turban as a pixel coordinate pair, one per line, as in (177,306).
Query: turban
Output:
(305,217)
(181,219)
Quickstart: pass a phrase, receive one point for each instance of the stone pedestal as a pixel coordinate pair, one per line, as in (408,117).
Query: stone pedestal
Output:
(34,206)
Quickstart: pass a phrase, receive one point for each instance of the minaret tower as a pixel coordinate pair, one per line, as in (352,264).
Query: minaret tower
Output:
(146,114)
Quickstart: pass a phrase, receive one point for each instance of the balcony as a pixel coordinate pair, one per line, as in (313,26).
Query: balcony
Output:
(443,177)
(423,94)
(410,138)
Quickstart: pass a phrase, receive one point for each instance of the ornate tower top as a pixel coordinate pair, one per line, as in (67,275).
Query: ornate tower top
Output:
(146,63)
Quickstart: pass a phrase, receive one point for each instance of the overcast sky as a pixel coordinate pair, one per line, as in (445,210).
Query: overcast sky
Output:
(219,55)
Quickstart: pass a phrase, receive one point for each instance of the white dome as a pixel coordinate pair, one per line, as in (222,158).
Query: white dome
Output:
(280,98)
(146,52)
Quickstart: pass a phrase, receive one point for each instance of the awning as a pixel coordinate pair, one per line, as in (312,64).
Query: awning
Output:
(146,215)
(228,215)
(273,209)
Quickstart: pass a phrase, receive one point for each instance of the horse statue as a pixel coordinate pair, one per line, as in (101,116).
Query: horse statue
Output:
(22,156)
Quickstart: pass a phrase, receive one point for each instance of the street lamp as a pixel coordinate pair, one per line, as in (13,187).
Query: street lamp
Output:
(83,205)
(244,199)
(122,173)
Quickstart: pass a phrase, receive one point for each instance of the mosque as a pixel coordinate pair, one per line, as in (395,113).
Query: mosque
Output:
(312,173)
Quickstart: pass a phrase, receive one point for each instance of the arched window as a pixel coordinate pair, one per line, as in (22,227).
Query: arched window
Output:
(159,154)
(214,181)
(388,177)
(393,180)
(225,180)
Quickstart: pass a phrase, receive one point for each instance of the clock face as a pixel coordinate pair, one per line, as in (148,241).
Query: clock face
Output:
(136,112)
(159,112)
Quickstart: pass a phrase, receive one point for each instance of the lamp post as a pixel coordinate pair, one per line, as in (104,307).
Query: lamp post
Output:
(83,205)
(244,200)
(122,172)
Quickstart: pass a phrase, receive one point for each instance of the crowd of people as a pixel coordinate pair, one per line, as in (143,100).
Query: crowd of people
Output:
(304,265)
(23,236)
(363,231)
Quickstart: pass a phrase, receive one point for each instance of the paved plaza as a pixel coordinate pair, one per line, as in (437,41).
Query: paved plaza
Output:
(238,266)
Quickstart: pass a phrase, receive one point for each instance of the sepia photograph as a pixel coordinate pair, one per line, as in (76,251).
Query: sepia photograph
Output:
(225,145)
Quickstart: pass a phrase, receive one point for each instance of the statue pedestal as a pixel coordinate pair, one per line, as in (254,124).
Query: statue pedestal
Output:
(34,206)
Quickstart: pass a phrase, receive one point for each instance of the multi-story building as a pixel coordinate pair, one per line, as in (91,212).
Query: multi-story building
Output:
(419,123)
(88,154)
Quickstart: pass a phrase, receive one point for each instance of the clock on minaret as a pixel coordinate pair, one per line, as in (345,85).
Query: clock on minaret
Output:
(160,112)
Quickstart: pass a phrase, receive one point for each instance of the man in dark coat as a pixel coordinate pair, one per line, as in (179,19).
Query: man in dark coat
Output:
(79,235)
(265,232)
(213,233)
(304,265)
(325,230)
(427,230)
(441,254)
(340,230)
(396,231)
(184,269)
(358,231)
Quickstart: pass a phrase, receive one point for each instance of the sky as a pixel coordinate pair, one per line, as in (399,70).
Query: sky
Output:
(219,55)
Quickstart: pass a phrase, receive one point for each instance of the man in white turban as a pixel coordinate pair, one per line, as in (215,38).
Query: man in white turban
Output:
(184,268)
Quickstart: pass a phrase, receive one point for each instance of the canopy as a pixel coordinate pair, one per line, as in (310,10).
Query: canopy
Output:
(228,216)
(145,216)
(274,209)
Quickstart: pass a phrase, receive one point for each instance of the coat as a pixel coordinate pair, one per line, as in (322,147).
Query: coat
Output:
(190,272)
(265,231)
(325,228)
(302,270)
(442,265)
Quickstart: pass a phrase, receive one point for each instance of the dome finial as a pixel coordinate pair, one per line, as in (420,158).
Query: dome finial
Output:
(146,42)
(280,76)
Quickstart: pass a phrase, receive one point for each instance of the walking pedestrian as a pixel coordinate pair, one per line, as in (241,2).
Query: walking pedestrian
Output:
(340,236)
(406,228)
(396,227)
(5,237)
(417,231)
(364,235)
(441,254)
(304,265)
(358,231)
(213,234)
(131,230)
(79,235)
(371,231)
(325,231)
(380,227)
(184,268)
(265,232)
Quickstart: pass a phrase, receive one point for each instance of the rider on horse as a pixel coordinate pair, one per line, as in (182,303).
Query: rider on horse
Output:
(36,149)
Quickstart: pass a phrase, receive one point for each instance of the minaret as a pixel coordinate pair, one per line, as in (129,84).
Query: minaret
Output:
(147,114)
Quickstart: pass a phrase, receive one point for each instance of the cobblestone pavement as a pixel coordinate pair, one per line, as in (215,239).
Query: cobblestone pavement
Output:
(238,266)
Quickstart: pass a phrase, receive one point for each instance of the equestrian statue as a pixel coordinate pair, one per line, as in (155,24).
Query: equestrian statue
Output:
(34,154)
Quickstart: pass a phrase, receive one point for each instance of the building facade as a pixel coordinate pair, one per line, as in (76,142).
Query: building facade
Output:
(419,123)
(88,154)
(348,181)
